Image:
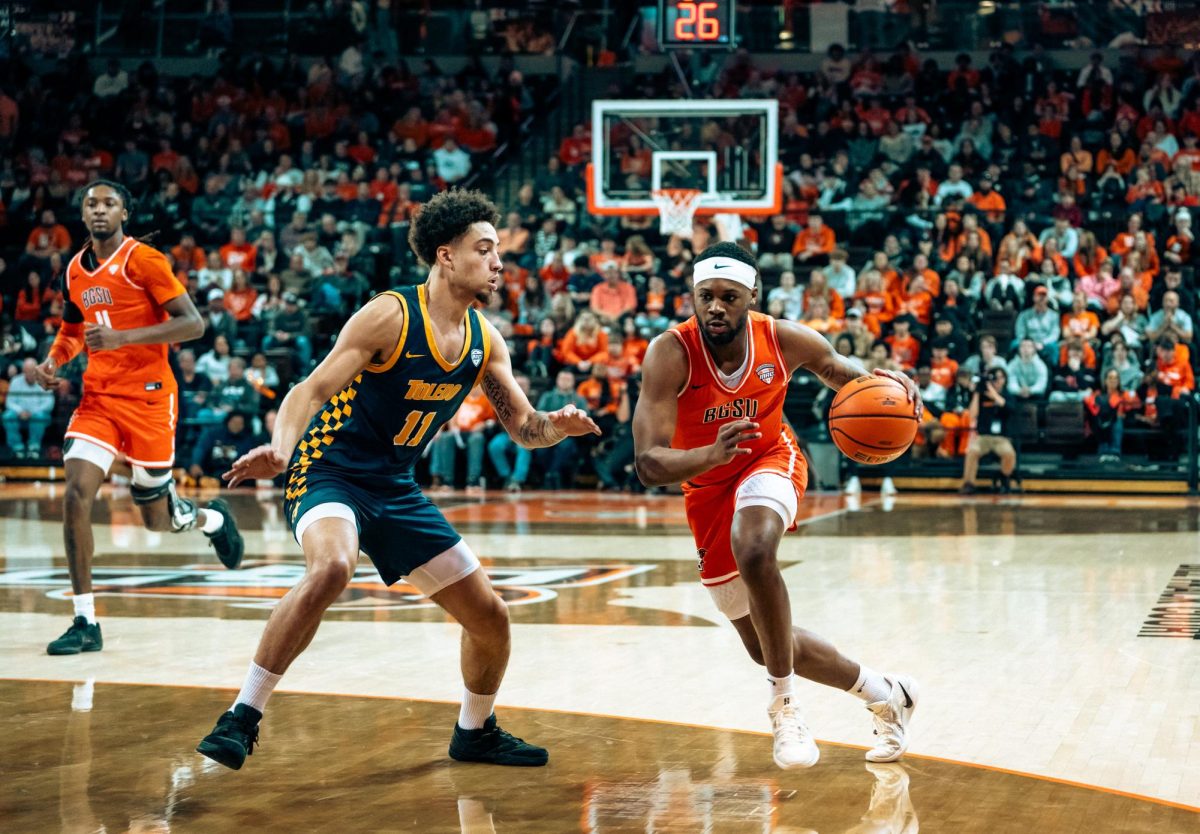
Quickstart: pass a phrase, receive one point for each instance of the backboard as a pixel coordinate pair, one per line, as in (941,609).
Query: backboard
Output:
(727,149)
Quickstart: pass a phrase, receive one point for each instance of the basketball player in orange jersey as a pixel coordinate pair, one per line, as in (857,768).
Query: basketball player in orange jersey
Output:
(123,306)
(710,417)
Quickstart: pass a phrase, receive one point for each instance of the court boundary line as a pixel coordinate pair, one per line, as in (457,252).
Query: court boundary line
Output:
(846,745)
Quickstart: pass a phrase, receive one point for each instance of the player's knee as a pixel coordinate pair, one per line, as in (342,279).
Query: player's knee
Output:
(755,557)
(491,622)
(78,495)
(331,576)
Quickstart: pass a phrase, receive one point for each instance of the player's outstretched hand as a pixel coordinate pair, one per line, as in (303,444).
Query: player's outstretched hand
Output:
(572,422)
(46,375)
(263,463)
(914,393)
(725,448)
(99,337)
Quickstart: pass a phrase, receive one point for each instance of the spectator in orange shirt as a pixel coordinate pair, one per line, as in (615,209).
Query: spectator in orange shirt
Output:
(905,347)
(238,254)
(1076,156)
(467,430)
(239,301)
(1118,153)
(585,343)
(877,305)
(514,238)
(189,258)
(917,301)
(633,346)
(1080,322)
(1145,191)
(942,369)
(613,297)
(1124,241)
(818,316)
(47,238)
(1172,370)
(818,287)
(989,202)
(1179,245)
(575,149)
(1089,255)
(813,243)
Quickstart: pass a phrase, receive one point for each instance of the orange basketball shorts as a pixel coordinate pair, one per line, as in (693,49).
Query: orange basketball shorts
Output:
(143,429)
(710,509)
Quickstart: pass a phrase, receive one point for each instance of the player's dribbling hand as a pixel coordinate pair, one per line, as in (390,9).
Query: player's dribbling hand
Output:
(46,375)
(914,393)
(263,463)
(99,337)
(572,422)
(725,448)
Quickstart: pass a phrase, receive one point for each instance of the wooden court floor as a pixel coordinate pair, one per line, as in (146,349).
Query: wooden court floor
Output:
(1056,640)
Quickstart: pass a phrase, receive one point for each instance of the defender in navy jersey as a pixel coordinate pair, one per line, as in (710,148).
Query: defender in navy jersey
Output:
(348,437)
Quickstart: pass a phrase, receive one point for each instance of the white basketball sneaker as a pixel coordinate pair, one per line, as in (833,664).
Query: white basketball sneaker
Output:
(794,744)
(892,719)
(888,487)
(853,486)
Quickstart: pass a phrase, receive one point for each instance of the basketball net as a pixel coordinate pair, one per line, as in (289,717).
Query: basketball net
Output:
(676,209)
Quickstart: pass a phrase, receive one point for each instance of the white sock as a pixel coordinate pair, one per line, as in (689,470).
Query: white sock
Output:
(781,686)
(871,686)
(85,606)
(475,709)
(257,688)
(213,521)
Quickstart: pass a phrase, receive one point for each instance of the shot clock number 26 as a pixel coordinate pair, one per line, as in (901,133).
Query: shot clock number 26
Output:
(684,23)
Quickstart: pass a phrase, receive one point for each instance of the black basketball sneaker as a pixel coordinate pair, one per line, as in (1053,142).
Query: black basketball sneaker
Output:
(80,637)
(234,737)
(227,541)
(492,745)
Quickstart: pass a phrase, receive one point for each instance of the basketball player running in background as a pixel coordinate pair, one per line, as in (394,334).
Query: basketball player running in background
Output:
(352,432)
(123,306)
(710,417)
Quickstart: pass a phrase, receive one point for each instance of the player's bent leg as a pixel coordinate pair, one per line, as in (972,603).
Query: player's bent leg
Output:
(472,601)
(330,543)
(813,657)
(755,539)
(163,510)
(86,466)
(755,535)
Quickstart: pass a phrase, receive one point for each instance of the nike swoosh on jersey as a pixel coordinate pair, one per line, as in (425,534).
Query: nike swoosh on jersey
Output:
(408,355)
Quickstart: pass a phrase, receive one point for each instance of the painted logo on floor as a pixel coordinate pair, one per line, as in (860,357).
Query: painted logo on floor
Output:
(262,585)
(1177,613)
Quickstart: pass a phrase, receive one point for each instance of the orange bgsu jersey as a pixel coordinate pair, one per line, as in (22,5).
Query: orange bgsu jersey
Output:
(706,403)
(126,291)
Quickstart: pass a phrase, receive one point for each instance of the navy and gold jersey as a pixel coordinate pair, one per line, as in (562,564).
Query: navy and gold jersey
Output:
(375,429)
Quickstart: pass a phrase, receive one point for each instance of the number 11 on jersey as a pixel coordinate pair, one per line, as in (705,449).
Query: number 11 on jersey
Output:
(103,318)
(407,436)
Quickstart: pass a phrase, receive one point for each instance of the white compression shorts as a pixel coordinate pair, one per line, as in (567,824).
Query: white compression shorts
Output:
(439,573)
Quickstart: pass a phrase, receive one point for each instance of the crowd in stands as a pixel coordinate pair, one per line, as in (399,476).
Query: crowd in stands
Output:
(1009,234)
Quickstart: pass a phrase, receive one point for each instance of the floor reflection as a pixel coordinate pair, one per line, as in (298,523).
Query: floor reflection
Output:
(81,759)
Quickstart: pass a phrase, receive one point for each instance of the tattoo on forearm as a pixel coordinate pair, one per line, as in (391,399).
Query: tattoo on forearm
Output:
(498,396)
(538,432)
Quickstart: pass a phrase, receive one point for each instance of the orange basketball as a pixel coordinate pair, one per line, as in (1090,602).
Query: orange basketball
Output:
(872,421)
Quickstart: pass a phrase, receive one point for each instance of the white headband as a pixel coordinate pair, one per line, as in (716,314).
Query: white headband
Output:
(730,269)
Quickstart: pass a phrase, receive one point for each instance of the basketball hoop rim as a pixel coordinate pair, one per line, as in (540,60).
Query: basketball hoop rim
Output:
(775,207)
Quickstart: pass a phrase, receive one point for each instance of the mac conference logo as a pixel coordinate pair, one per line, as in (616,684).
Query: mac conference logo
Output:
(766,373)
(262,585)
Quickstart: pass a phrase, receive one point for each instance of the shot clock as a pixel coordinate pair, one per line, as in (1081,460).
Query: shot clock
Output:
(683,23)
